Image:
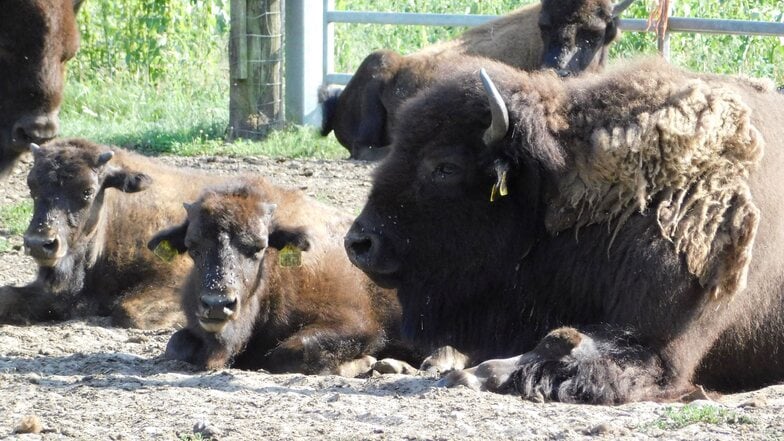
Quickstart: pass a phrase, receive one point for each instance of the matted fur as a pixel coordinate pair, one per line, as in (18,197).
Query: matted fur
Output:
(689,162)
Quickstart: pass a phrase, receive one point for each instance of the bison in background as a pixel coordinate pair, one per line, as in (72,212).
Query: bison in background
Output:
(94,208)
(570,36)
(603,227)
(37,38)
(249,307)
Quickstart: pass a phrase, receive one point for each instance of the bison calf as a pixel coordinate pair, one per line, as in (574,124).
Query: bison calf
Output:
(93,209)
(271,287)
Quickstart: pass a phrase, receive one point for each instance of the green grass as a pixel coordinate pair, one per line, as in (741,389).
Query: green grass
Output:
(4,245)
(675,418)
(15,218)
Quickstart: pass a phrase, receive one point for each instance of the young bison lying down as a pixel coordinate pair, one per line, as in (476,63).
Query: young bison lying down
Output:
(93,208)
(251,307)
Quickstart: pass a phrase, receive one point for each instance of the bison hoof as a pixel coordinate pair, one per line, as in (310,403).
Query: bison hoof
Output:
(356,367)
(392,366)
(444,359)
(491,375)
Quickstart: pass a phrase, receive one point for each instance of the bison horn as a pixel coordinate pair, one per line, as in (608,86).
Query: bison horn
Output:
(499,124)
(35,148)
(618,8)
(105,157)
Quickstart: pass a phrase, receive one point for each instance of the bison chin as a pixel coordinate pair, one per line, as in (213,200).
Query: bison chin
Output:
(212,326)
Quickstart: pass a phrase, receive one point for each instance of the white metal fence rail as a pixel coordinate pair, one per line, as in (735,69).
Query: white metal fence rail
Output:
(319,37)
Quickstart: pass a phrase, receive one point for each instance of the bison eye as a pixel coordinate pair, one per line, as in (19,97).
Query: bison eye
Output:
(87,194)
(445,169)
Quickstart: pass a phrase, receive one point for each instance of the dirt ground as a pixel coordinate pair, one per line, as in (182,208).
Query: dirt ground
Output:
(85,380)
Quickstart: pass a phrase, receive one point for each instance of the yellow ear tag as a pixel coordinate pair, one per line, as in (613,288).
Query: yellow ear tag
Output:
(165,251)
(499,188)
(290,256)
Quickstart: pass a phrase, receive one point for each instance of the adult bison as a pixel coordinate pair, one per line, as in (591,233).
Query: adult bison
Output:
(570,36)
(271,287)
(601,226)
(94,207)
(37,37)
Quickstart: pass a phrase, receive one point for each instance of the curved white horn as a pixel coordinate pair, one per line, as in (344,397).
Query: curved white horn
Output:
(499,124)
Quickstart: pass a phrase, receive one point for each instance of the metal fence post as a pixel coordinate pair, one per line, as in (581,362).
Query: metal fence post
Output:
(304,60)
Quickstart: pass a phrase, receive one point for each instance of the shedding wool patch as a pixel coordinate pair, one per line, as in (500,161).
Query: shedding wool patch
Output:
(688,161)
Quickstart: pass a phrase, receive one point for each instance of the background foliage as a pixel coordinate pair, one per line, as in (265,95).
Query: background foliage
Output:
(153,74)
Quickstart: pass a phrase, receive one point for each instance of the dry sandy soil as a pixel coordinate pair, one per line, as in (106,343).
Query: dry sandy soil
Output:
(84,380)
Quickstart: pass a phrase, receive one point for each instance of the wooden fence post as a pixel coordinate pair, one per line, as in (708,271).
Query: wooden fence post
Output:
(255,59)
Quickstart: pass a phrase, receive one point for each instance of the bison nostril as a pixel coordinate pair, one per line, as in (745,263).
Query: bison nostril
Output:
(49,244)
(361,246)
(231,305)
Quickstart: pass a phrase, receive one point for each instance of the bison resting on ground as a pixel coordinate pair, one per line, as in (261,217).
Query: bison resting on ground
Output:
(603,227)
(570,36)
(37,37)
(247,307)
(94,207)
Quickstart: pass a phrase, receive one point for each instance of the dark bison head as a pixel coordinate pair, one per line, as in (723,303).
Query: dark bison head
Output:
(227,233)
(68,182)
(437,223)
(37,37)
(576,34)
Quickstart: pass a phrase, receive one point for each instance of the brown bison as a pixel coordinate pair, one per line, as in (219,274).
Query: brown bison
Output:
(603,227)
(37,37)
(248,308)
(568,35)
(94,208)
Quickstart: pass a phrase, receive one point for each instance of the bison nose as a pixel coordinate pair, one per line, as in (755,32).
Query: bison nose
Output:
(35,128)
(218,306)
(42,246)
(563,73)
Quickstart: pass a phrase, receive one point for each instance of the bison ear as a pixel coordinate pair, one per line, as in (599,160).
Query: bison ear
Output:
(76,5)
(611,31)
(175,236)
(279,237)
(127,181)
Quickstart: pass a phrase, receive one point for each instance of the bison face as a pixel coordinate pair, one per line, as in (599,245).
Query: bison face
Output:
(37,37)
(576,33)
(437,219)
(226,234)
(67,183)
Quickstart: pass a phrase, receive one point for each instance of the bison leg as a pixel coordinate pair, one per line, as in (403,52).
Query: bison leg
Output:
(318,350)
(571,366)
(26,304)
(185,345)
(152,308)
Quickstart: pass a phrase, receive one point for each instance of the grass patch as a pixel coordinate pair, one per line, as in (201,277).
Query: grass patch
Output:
(15,218)
(678,417)
(4,245)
